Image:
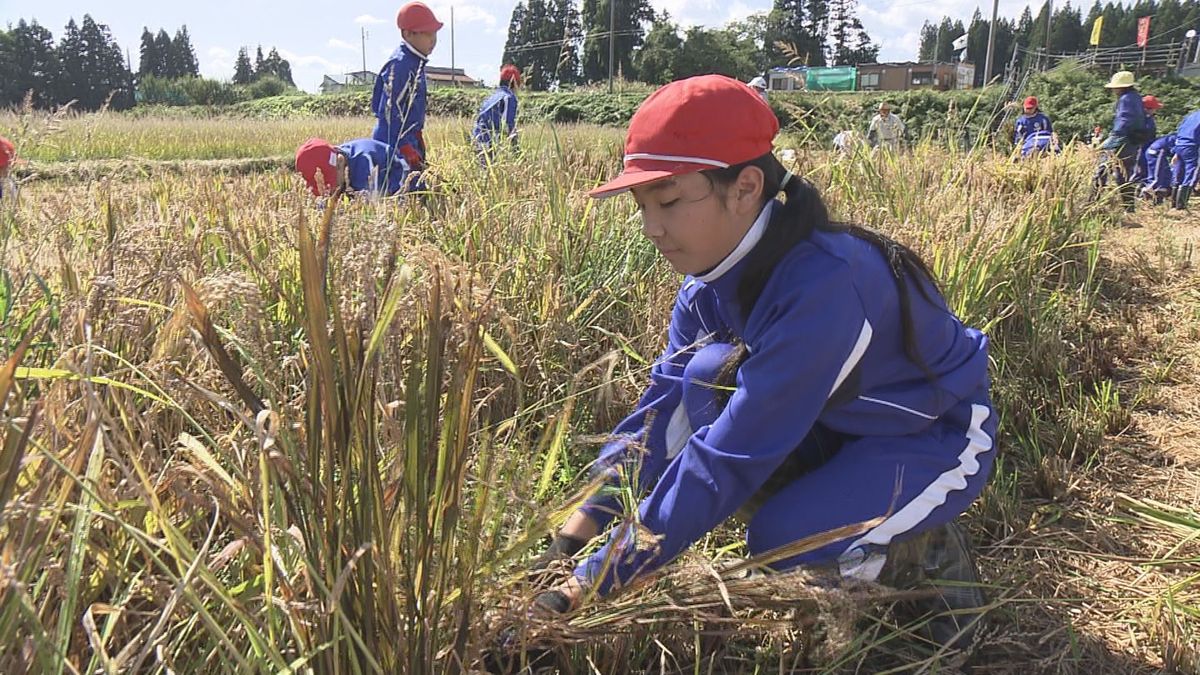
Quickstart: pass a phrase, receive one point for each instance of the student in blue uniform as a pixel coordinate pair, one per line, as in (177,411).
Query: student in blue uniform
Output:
(1187,156)
(1158,168)
(1128,134)
(498,115)
(1033,132)
(852,393)
(399,98)
(360,165)
(1151,105)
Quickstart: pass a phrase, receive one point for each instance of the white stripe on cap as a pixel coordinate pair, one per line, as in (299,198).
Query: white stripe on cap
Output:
(676,158)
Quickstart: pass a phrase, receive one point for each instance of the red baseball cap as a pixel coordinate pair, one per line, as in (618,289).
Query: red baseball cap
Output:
(1031,102)
(1151,102)
(315,157)
(510,72)
(8,153)
(416,16)
(700,123)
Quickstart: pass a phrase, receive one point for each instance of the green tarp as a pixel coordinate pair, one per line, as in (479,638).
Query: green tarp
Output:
(838,78)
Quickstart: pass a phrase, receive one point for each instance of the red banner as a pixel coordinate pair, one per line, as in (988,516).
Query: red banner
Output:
(1143,31)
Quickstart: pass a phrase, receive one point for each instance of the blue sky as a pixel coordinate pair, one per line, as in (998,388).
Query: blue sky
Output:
(320,37)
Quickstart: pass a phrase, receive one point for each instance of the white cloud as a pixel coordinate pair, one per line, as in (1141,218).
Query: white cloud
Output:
(462,13)
(367,19)
(342,44)
(218,63)
(310,60)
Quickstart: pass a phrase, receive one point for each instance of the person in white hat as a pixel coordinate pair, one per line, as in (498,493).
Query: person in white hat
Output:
(886,129)
(1128,133)
(759,85)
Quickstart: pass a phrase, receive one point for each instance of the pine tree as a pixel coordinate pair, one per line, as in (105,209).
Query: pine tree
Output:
(629,26)
(817,21)
(567,28)
(93,67)
(243,72)
(787,38)
(849,42)
(162,60)
(148,54)
(28,62)
(182,57)
(258,63)
(516,37)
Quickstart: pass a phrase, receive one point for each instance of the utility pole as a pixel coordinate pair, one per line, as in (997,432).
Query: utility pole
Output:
(987,69)
(1049,20)
(453,78)
(612,41)
(364,48)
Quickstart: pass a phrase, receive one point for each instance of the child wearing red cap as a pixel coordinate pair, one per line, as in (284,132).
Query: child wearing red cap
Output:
(814,376)
(498,114)
(8,155)
(1151,104)
(1033,133)
(399,98)
(361,165)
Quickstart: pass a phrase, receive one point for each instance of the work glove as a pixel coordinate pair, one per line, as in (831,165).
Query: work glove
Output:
(549,566)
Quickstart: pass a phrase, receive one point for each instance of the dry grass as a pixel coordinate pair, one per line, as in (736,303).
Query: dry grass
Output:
(159,517)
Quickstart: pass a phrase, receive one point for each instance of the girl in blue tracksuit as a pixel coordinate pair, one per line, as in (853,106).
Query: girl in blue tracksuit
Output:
(1158,167)
(813,375)
(498,115)
(1033,131)
(400,94)
(360,165)
(1151,105)
(1187,154)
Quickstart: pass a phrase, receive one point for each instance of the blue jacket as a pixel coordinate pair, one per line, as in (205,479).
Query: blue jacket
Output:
(1130,120)
(498,112)
(399,101)
(367,162)
(827,322)
(1164,143)
(1030,124)
(1188,133)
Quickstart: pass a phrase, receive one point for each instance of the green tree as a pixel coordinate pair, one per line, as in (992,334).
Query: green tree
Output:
(258,63)
(788,40)
(94,70)
(162,49)
(148,54)
(629,28)
(181,60)
(518,37)
(706,51)
(817,22)
(849,42)
(28,63)
(567,27)
(655,61)
(243,72)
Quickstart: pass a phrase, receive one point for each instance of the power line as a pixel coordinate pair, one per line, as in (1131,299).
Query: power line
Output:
(534,46)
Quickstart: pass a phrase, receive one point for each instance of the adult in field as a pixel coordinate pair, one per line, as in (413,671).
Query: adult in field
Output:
(400,95)
(813,377)
(1128,134)
(8,156)
(886,129)
(498,115)
(357,166)
(1187,156)
(1033,131)
(759,85)
(1151,105)
(1159,156)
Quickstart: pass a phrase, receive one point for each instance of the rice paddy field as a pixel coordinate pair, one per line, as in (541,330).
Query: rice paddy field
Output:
(243,433)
